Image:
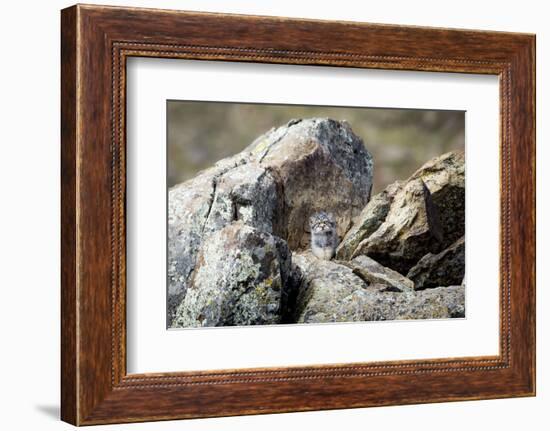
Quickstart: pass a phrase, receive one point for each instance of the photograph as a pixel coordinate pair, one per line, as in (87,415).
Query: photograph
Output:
(277,210)
(292,214)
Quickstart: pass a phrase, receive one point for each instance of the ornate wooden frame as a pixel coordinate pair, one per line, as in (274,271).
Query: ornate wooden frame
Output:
(95,43)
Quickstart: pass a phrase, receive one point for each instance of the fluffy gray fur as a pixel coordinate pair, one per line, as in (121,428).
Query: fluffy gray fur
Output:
(323,235)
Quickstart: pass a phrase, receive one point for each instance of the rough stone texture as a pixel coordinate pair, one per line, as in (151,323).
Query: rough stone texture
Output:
(247,193)
(438,303)
(444,177)
(331,292)
(410,230)
(189,206)
(321,165)
(232,227)
(450,298)
(443,269)
(370,219)
(239,278)
(400,225)
(374,273)
(274,185)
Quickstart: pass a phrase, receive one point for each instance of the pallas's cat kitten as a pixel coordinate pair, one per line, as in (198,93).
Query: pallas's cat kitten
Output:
(323,235)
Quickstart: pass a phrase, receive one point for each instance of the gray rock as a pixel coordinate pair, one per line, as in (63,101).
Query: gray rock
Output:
(438,303)
(374,273)
(410,230)
(331,292)
(274,185)
(239,278)
(231,227)
(398,227)
(370,219)
(189,207)
(247,193)
(442,269)
(320,164)
(444,177)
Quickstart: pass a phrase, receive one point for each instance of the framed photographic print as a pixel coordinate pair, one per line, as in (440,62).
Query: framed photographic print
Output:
(264,214)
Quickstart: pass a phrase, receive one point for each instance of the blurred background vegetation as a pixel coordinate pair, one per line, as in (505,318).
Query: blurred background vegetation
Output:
(400,140)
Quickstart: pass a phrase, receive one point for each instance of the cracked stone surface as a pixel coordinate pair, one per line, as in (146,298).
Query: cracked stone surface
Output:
(444,177)
(410,229)
(374,273)
(273,185)
(442,269)
(331,292)
(238,235)
(239,279)
(423,214)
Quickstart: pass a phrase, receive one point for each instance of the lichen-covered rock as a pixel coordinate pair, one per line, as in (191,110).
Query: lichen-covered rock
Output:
(438,303)
(189,206)
(398,227)
(247,193)
(374,273)
(321,165)
(239,279)
(442,269)
(444,177)
(368,221)
(331,292)
(274,185)
(231,229)
(410,230)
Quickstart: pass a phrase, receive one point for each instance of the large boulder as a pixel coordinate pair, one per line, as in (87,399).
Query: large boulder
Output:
(331,292)
(409,219)
(410,230)
(239,279)
(442,269)
(439,303)
(248,193)
(274,185)
(444,177)
(368,221)
(189,207)
(320,164)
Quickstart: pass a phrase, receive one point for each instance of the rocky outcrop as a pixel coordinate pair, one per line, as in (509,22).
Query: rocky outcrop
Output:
(442,269)
(409,219)
(328,291)
(410,229)
(320,164)
(247,193)
(331,292)
(368,222)
(374,273)
(189,208)
(239,279)
(238,235)
(444,177)
(274,185)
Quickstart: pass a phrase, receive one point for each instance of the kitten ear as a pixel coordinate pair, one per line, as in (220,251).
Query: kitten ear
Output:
(331,217)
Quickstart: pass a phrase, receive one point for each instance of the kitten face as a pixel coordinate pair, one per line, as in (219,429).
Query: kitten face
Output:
(322,222)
